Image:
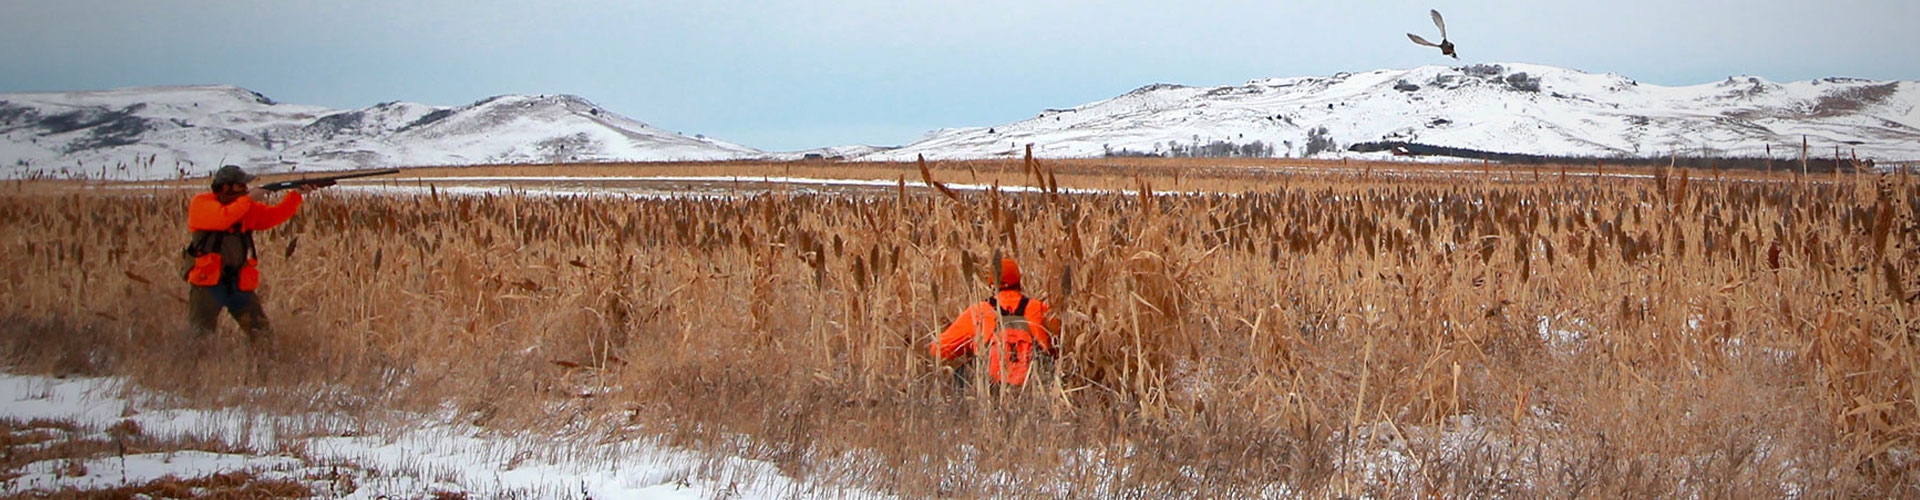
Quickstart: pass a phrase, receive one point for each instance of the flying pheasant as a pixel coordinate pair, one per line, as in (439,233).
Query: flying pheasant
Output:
(1446,47)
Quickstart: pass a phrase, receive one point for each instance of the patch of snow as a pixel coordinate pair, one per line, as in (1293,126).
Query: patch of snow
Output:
(103,473)
(1567,337)
(420,455)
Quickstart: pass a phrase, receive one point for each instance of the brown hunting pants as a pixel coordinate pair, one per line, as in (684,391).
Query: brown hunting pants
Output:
(205,302)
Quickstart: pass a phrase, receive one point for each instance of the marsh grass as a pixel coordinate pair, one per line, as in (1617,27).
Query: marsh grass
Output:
(23,444)
(1377,329)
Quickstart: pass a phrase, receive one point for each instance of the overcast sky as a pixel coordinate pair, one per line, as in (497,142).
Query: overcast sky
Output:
(783,75)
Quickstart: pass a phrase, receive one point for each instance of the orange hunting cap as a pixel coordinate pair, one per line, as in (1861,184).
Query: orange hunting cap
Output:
(1009,274)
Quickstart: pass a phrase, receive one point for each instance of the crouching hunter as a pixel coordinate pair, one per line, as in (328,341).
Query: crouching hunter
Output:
(221,258)
(1015,330)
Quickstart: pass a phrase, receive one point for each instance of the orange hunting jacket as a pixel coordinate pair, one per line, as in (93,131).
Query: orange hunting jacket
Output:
(980,321)
(206,213)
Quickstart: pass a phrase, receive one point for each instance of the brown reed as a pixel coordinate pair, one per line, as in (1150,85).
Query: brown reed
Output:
(1214,344)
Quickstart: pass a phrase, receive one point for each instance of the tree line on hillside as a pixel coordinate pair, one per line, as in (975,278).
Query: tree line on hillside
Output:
(1815,163)
(1214,149)
(1318,142)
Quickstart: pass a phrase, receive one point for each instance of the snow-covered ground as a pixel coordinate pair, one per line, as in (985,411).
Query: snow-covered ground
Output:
(402,456)
(418,456)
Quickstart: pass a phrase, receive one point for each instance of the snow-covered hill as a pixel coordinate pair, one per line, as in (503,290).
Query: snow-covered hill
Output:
(1505,108)
(162,132)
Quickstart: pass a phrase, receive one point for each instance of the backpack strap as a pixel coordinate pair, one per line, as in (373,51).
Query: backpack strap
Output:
(247,236)
(1019,310)
(206,242)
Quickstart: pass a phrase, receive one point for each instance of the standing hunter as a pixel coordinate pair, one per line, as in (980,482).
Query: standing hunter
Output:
(221,257)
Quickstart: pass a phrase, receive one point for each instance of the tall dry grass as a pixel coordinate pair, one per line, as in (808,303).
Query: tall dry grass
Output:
(1483,332)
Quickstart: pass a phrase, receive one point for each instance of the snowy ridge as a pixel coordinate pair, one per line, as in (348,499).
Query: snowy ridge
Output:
(163,132)
(1525,109)
(1508,108)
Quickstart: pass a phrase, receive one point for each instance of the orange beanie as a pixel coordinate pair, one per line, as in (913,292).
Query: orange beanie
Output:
(1009,274)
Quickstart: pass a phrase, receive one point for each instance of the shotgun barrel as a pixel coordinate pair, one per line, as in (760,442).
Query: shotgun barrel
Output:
(324,181)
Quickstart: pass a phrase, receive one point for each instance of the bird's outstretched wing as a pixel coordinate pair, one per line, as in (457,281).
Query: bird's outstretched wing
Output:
(1422,41)
(1437,21)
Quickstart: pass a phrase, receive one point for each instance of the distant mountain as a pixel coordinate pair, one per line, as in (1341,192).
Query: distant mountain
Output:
(1495,108)
(162,132)
(1501,111)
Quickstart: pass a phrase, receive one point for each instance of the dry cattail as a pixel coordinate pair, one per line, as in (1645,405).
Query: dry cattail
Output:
(1150,284)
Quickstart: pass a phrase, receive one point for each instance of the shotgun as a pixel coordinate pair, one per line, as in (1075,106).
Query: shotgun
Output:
(324,181)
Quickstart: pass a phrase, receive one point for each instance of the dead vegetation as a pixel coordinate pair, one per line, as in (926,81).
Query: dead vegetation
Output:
(1470,331)
(226,485)
(71,447)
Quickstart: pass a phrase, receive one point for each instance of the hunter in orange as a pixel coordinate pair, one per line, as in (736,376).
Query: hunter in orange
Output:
(221,259)
(1014,328)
